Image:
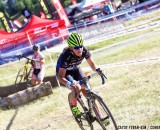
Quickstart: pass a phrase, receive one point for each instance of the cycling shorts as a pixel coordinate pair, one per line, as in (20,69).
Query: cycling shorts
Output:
(76,73)
(39,76)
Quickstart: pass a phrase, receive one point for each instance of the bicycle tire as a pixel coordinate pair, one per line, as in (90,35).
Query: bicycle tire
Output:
(81,120)
(104,110)
(21,76)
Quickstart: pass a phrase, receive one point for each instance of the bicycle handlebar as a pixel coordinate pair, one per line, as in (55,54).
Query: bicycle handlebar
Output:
(27,58)
(31,61)
(103,77)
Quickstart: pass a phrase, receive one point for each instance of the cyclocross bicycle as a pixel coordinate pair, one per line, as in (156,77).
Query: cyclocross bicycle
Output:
(95,114)
(24,74)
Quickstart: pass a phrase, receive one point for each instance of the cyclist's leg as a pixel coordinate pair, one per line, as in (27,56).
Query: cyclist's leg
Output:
(80,75)
(33,80)
(73,98)
(37,79)
(40,76)
(73,102)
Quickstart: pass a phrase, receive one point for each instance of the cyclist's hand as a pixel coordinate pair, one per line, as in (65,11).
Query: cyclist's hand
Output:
(72,84)
(68,84)
(35,60)
(99,71)
(32,62)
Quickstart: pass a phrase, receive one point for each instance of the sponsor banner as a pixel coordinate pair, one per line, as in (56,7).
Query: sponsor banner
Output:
(18,23)
(61,12)
(46,9)
(5,21)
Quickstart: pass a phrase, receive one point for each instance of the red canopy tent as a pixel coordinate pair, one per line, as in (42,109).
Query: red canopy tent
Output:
(35,26)
(3,32)
(36,22)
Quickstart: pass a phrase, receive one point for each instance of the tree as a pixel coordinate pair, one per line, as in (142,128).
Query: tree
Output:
(19,5)
(29,5)
(1,5)
(67,3)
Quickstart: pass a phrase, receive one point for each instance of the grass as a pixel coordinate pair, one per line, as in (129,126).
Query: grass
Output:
(143,18)
(143,49)
(132,93)
(115,40)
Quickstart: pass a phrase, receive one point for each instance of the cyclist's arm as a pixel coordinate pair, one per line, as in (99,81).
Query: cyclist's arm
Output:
(91,63)
(61,76)
(42,61)
(41,58)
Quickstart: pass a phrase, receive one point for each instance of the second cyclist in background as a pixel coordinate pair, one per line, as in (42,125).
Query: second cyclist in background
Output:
(38,66)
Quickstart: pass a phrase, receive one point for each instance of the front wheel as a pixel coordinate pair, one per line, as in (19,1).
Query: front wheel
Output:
(21,76)
(103,114)
(82,121)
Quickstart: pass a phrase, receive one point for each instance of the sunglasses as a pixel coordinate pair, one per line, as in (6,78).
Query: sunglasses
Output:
(77,47)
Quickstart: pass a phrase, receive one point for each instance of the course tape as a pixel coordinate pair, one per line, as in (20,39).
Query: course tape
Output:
(111,65)
(126,63)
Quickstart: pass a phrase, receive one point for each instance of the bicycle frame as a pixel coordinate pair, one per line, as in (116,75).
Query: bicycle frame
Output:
(96,111)
(24,72)
(88,111)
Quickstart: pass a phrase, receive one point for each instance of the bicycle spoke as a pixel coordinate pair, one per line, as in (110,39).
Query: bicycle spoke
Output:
(20,76)
(103,114)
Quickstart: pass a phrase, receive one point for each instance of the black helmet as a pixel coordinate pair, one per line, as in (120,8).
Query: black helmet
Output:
(36,47)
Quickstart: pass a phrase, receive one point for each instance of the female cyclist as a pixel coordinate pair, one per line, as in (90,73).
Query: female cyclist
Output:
(68,65)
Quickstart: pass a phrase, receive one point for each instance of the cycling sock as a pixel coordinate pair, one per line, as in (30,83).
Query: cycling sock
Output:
(99,113)
(73,102)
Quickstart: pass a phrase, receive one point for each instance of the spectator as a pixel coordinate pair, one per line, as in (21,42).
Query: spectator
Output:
(39,71)
(107,8)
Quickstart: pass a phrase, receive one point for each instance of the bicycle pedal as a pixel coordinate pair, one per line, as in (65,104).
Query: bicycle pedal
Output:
(105,118)
(105,121)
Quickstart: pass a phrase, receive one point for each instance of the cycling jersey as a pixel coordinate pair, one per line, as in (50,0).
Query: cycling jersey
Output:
(38,72)
(68,60)
(38,56)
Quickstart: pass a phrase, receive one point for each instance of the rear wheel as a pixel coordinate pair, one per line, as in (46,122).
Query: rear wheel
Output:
(82,121)
(21,76)
(103,114)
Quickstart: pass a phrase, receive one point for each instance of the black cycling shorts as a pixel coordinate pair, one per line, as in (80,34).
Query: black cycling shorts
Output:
(76,73)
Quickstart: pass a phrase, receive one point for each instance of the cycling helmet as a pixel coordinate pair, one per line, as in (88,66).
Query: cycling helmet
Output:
(75,39)
(36,47)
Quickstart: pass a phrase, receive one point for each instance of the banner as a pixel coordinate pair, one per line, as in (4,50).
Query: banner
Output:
(5,21)
(61,12)
(46,9)
(17,23)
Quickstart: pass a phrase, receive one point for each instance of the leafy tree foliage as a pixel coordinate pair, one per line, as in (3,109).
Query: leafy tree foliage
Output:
(15,8)
(1,5)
